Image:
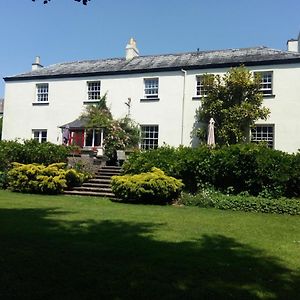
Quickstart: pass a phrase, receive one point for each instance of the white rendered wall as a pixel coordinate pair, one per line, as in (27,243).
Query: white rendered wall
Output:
(66,97)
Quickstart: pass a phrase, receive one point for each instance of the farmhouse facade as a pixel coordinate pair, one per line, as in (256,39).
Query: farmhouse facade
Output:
(160,92)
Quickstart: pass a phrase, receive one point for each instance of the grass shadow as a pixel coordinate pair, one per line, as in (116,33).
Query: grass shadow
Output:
(43,258)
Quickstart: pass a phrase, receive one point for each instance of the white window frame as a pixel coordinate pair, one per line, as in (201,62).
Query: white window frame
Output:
(42,92)
(93,90)
(97,134)
(39,135)
(263,133)
(149,136)
(266,85)
(151,88)
(201,91)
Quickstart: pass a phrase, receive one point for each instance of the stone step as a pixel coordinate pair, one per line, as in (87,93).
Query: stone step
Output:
(98,185)
(93,189)
(102,177)
(100,180)
(90,193)
(108,173)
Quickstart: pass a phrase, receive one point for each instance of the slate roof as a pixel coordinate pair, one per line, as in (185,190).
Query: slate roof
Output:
(76,124)
(166,62)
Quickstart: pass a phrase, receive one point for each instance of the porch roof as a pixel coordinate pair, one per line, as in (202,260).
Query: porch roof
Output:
(76,124)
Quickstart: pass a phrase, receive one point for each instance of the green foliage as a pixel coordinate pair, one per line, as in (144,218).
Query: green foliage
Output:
(211,198)
(243,167)
(37,178)
(118,134)
(121,134)
(29,151)
(75,178)
(150,187)
(175,162)
(235,102)
(97,115)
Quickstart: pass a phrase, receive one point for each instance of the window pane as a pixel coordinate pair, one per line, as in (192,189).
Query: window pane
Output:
(151,87)
(42,92)
(263,133)
(149,137)
(94,88)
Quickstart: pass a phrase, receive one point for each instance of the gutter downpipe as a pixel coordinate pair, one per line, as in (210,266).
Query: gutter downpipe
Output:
(182,108)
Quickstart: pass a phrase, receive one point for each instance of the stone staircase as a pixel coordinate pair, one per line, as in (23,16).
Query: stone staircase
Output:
(99,185)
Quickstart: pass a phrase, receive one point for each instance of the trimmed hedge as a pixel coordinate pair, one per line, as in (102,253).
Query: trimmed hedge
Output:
(27,152)
(244,167)
(36,178)
(209,198)
(150,187)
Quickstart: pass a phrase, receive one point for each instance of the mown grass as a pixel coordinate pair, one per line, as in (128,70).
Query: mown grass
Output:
(63,247)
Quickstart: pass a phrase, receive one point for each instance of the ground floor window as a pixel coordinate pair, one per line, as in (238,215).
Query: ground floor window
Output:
(149,138)
(40,135)
(86,137)
(263,133)
(93,137)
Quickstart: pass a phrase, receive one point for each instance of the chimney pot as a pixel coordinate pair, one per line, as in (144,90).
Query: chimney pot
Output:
(131,49)
(293,45)
(37,64)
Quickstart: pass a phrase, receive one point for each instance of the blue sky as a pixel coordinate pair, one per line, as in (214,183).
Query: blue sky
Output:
(65,30)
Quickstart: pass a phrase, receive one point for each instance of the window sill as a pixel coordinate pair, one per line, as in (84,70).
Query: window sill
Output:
(197,98)
(91,101)
(149,99)
(40,103)
(269,96)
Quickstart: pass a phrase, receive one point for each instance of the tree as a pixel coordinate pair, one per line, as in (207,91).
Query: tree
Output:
(119,134)
(84,2)
(235,102)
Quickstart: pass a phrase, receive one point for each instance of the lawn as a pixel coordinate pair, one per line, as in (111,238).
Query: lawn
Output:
(66,247)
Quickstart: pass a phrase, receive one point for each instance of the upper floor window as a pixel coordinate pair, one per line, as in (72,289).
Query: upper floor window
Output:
(94,88)
(40,135)
(42,92)
(201,88)
(151,87)
(263,133)
(149,137)
(266,85)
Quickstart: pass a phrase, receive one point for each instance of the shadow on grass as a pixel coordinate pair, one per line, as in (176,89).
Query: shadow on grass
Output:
(42,258)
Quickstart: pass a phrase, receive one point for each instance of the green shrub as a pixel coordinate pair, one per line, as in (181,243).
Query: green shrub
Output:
(75,178)
(150,187)
(243,167)
(191,165)
(209,198)
(36,178)
(3,180)
(31,151)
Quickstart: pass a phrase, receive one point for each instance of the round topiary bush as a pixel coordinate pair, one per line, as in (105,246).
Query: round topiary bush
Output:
(149,187)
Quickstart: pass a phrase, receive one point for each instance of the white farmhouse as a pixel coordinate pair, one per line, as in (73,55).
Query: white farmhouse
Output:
(161,92)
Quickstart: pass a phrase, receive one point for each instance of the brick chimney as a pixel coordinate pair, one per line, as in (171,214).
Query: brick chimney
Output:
(131,50)
(37,64)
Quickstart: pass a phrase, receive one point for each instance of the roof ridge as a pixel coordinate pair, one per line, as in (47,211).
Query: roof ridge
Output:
(158,55)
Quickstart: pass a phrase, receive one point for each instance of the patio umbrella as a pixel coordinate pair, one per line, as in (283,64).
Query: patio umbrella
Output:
(211,133)
(66,135)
